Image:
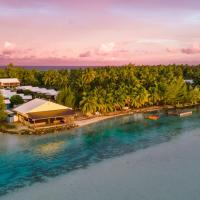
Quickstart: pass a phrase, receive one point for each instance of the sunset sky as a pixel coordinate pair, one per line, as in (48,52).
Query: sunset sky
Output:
(99,32)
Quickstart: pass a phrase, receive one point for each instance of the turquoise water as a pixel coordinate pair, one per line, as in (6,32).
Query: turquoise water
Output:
(25,160)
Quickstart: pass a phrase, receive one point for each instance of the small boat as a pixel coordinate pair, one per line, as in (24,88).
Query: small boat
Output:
(180,113)
(185,114)
(153,117)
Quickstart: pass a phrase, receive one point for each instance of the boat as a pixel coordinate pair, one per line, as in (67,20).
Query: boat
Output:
(180,113)
(153,117)
(185,114)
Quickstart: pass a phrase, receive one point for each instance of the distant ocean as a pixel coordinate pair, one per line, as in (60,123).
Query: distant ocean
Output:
(50,67)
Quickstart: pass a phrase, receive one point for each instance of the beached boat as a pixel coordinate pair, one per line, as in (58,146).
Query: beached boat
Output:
(153,117)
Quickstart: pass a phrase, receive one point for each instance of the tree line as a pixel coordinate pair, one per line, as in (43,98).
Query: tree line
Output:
(107,89)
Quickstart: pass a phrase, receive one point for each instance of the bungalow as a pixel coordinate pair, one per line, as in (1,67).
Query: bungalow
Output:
(9,82)
(41,113)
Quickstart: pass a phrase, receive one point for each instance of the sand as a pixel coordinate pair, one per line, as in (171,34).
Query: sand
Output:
(85,122)
(168,171)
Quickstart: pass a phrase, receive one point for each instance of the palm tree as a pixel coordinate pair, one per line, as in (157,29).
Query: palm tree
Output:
(88,104)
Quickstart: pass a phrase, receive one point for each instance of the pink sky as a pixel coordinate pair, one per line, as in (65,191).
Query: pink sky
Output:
(103,32)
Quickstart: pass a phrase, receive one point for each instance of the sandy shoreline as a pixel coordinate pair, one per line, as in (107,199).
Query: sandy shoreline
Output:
(85,122)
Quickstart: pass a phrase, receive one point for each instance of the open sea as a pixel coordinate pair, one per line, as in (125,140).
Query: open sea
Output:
(44,68)
(29,160)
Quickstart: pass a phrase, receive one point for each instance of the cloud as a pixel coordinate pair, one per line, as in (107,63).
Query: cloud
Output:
(9,45)
(191,50)
(106,48)
(111,49)
(85,54)
(172,50)
(8,51)
(8,48)
(192,4)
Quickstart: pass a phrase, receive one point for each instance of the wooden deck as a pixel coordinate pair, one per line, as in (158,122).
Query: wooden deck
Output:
(180,113)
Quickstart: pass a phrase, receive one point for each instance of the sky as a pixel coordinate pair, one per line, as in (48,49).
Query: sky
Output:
(99,32)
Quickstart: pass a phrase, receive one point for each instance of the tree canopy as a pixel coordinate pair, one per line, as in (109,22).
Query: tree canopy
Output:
(2,109)
(106,89)
(16,100)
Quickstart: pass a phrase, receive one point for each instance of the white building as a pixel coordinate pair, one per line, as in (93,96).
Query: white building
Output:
(7,94)
(9,82)
(49,92)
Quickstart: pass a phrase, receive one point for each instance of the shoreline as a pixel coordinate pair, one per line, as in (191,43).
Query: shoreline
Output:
(78,123)
(96,119)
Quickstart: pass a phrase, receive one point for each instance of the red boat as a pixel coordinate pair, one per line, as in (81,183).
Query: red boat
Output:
(153,117)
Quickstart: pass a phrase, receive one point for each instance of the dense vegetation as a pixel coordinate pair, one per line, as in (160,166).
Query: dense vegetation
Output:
(2,109)
(108,89)
(16,100)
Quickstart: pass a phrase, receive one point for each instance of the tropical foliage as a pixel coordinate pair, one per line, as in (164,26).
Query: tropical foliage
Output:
(107,89)
(16,100)
(2,109)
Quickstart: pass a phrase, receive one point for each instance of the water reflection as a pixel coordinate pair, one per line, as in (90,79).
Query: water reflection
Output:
(50,148)
(28,159)
(9,142)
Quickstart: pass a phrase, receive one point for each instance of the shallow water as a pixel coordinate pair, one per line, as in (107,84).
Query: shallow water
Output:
(25,160)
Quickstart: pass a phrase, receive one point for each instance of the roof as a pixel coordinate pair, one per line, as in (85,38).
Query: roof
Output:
(39,105)
(189,81)
(25,97)
(9,112)
(9,80)
(50,92)
(6,101)
(8,94)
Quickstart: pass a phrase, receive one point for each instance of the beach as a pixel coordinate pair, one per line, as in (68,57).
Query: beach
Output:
(168,171)
(95,119)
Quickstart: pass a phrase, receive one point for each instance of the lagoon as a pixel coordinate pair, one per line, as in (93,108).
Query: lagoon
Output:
(126,157)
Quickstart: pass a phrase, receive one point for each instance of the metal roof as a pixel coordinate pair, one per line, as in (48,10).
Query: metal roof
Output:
(9,80)
(46,91)
(39,105)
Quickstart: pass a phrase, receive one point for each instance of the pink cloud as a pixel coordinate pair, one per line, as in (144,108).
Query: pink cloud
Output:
(191,50)
(93,31)
(111,49)
(194,4)
(85,54)
(172,50)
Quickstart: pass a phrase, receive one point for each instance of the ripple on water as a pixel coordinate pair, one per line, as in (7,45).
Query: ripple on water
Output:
(25,160)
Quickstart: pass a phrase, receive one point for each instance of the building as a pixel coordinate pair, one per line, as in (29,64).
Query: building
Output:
(41,113)
(189,81)
(11,116)
(9,82)
(50,93)
(7,94)
(7,103)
